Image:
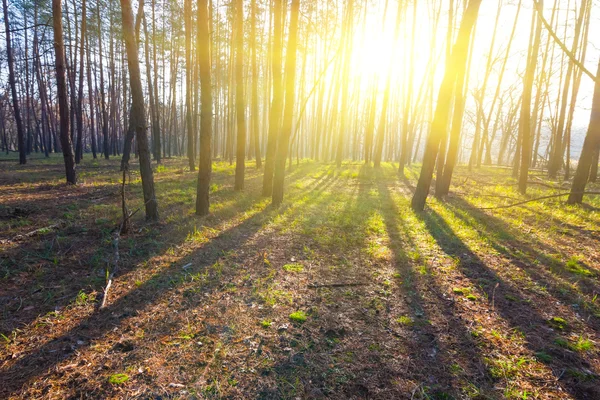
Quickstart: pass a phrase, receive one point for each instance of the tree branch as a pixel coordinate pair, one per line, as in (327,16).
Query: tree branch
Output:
(564,48)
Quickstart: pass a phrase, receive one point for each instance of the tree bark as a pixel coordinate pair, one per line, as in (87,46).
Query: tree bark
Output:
(13,89)
(61,88)
(240,106)
(455,69)
(288,114)
(206,106)
(591,146)
(276,103)
(137,118)
(525,118)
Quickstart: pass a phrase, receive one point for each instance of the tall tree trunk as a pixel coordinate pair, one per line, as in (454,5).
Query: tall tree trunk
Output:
(191,135)
(105,141)
(347,38)
(61,88)
(240,105)
(276,103)
(556,155)
(13,89)
(255,116)
(137,118)
(79,116)
(591,146)
(455,70)
(288,114)
(156,131)
(204,61)
(91,100)
(525,118)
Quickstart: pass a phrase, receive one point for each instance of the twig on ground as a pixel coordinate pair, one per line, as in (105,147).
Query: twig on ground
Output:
(322,285)
(536,199)
(35,232)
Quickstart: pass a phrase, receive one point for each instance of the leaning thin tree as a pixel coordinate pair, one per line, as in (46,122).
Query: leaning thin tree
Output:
(137,118)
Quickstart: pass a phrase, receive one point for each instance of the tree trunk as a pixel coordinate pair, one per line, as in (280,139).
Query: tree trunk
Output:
(288,114)
(137,118)
(79,116)
(13,89)
(61,88)
(191,135)
(455,70)
(240,106)
(204,61)
(591,146)
(276,103)
(255,116)
(525,118)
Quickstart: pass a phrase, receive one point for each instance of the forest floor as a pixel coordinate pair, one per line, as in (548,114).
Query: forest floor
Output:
(343,292)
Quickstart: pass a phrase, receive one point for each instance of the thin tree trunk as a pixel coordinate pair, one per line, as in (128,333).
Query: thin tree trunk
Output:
(288,115)
(589,152)
(240,106)
(525,118)
(13,89)
(276,103)
(61,89)
(137,119)
(204,61)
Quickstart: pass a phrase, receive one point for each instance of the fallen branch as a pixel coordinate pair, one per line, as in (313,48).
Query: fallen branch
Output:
(123,228)
(536,199)
(322,285)
(35,232)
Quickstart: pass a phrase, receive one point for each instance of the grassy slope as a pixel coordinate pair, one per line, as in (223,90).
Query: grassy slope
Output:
(453,302)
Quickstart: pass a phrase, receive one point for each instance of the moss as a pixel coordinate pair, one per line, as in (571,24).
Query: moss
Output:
(298,316)
(293,267)
(558,323)
(118,379)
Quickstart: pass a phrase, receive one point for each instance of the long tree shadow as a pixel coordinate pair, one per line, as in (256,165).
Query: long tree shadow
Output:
(26,367)
(526,255)
(39,273)
(344,355)
(571,368)
(96,325)
(433,357)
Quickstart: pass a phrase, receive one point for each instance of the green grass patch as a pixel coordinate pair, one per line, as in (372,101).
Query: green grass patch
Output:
(293,267)
(558,323)
(298,316)
(118,379)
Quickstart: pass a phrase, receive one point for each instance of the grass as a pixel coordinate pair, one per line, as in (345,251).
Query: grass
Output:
(298,316)
(333,294)
(118,379)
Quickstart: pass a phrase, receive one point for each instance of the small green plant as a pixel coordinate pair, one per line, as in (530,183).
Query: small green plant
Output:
(293,267)
(405,320)
(160,169)
(582,345)
(118,379)
(558,323)
(83,298)
(471,297)
(298,316)
(543,357)
(265,323)
(574,266)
